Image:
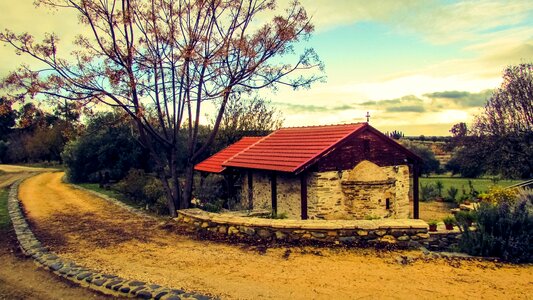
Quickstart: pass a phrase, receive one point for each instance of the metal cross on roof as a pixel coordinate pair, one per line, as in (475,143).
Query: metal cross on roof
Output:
(367,116)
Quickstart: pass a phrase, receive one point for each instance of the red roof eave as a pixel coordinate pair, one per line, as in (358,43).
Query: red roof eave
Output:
(213,164)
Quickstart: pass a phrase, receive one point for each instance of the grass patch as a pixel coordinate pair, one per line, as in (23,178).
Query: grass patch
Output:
(110,193)
(44,164)
(5,220)
(480,184)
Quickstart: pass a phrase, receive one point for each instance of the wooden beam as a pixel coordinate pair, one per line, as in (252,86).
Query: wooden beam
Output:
(303,189)
(274,189)
(416,172)
(250,190)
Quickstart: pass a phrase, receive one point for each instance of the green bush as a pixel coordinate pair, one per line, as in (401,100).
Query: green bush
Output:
(465,218)
(451,194)
(504,229)
(210,193)
(449,220)
(107,146)
(143,189)
(428,192)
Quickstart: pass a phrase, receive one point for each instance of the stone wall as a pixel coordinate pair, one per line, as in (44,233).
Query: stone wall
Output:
(324,196)
(288,194)
(402,188)
(332,195)
(386,232)
(74,273)
(443,241)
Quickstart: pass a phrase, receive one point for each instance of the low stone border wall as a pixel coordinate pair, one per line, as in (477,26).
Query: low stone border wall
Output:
(104,283)
(443,240)
(402,233)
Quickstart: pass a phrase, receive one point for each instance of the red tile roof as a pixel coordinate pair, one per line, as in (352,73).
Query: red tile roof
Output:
(292,149)
(214,163)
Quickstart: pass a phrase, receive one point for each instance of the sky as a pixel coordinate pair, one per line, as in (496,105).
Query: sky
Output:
(418,66)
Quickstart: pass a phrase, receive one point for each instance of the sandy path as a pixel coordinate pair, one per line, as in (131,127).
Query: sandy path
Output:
(20,278)
(102,236)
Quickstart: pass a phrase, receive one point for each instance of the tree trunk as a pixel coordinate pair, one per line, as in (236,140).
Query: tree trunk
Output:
(187,190)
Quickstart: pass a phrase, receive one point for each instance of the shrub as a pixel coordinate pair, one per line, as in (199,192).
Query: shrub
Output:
(498,194)
(449,220)
(210,193)
(451,194)
(107,146)
(428,192)
(504,229)
(439,186)
(144,189)
(465,218)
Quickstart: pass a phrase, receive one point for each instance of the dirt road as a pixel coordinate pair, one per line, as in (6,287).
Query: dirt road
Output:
(20,278)
(102,236)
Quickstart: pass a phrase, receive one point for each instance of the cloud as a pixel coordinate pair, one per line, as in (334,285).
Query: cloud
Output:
(461,98)
(308,108)
(407,108)
(439,22)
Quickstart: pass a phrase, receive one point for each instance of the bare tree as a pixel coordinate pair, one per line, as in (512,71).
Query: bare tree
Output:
(504,131)
(159,60)
(246,117)
(510,108)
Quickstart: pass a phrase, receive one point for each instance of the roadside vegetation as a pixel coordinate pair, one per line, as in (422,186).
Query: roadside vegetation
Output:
(5,221)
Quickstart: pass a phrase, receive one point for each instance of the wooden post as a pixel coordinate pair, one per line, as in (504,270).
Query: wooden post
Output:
(303,189)
(416,172)
(274,189)
(250,190)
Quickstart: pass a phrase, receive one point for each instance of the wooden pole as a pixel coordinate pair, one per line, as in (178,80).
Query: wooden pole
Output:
(250,190)
(303,189)
(274,189)
(416,172)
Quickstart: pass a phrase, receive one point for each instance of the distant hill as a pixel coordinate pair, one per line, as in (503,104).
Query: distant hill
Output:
(437,144)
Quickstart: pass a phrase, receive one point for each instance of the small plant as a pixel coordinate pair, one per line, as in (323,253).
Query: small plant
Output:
(449,221)
(282,215)
(213,206)
(432,225)
(465,218)
(451,194)
(473,192)
(439,186)
(372,217)
(428,192)
(463,199)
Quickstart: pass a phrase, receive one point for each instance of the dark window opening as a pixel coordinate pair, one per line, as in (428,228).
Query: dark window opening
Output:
(366,148)
(387,203)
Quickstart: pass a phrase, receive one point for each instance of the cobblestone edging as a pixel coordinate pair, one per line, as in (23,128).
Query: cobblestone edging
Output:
(104,283)
(404,233)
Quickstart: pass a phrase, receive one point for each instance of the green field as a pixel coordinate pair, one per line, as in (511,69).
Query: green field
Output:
(480,184)
(5,221)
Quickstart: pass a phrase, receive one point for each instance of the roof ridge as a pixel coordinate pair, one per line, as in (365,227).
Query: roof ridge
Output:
(324,125)
(326,151)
